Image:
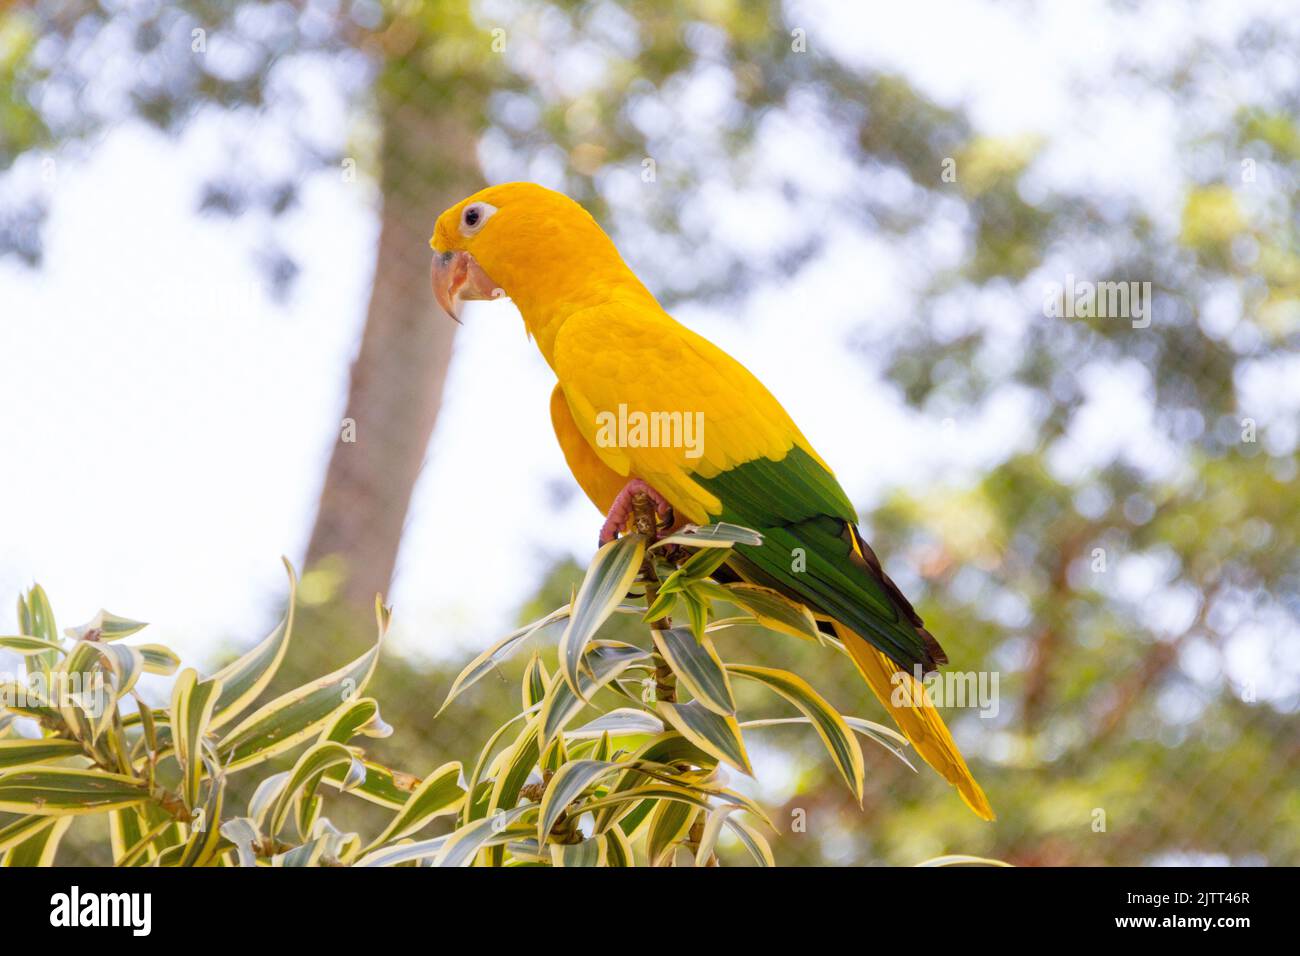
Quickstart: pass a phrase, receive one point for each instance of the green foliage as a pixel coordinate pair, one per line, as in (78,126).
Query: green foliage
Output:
(644,779)
(163,777)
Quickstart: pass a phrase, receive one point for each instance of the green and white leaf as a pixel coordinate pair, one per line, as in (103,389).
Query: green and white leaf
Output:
(835,734)
(26,644)
(587,853)
(774,611)
(480,765)
(36,617)
(713,822)
(105,626)
(463,845)
(403,853)
(264,797)
(603,662)
(713,733)
(244,834)
(887,737)
(125,664)
(669,823)
(40,848)
(159,659)
(720,535)
(361,718)
(306,775)
(620,722)
(533,688)
(383,786)
(56,791)
(698,667)
(513,767)
(608,578)
(752,840)
(82,697)
(20,751)
(618,848)
(191,709)
(22,829)
(566,786)
(958,859)
(619,802)
(205,829)
(295,716)
(438,794)
(243,680)
(483,665)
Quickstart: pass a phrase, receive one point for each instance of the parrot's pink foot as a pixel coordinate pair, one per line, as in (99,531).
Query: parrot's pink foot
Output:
(621,510)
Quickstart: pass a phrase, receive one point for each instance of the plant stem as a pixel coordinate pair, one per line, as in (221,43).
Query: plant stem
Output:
(643,516)
(645,522)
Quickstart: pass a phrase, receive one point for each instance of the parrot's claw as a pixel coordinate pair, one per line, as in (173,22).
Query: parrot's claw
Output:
(621,510)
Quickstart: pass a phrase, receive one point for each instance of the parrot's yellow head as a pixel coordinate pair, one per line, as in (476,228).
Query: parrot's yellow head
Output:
(533,244)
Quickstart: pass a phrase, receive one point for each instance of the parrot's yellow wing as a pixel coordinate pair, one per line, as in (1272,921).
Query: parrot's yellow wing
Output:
(600,482)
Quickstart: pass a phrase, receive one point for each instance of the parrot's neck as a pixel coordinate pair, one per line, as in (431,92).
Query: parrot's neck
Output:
(545,310)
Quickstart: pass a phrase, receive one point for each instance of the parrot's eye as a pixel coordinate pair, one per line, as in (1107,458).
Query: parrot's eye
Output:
(475,214)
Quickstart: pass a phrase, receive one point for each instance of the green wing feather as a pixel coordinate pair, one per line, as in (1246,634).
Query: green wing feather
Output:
(797,504)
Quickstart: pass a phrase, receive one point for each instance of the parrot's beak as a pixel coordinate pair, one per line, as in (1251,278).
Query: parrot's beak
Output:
(457,277)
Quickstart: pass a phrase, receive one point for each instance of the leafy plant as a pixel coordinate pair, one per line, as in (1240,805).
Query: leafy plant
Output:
(644,779)
(619,754)
(162,776)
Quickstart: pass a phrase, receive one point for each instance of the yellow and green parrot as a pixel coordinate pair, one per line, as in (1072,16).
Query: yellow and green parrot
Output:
(616,352)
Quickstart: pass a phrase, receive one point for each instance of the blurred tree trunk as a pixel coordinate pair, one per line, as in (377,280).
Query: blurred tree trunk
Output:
(428,162)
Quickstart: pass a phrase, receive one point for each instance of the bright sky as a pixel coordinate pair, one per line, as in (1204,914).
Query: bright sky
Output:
(167,427)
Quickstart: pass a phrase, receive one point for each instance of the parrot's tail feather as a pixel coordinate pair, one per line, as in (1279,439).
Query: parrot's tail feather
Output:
(917,718)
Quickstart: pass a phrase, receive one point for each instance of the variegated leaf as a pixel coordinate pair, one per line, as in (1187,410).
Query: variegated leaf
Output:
(295,716)
(159,659)
(621,722)
(244,679)
(608,578)
(483,665)
(669,824)
(752,840)
(304,777)
(697,666)
(586,853)
(463,845)
(712,733)
(603,662)
(105,626)
(440,793)
(26,644)
(835,734)
(774,611)
(20,752)
(191,710)
(566,786)
(56,791)
(36,617)
(958,859)
(40,848)
(720,535)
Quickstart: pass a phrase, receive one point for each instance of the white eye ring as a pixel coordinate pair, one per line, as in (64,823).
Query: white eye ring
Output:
(474,216)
